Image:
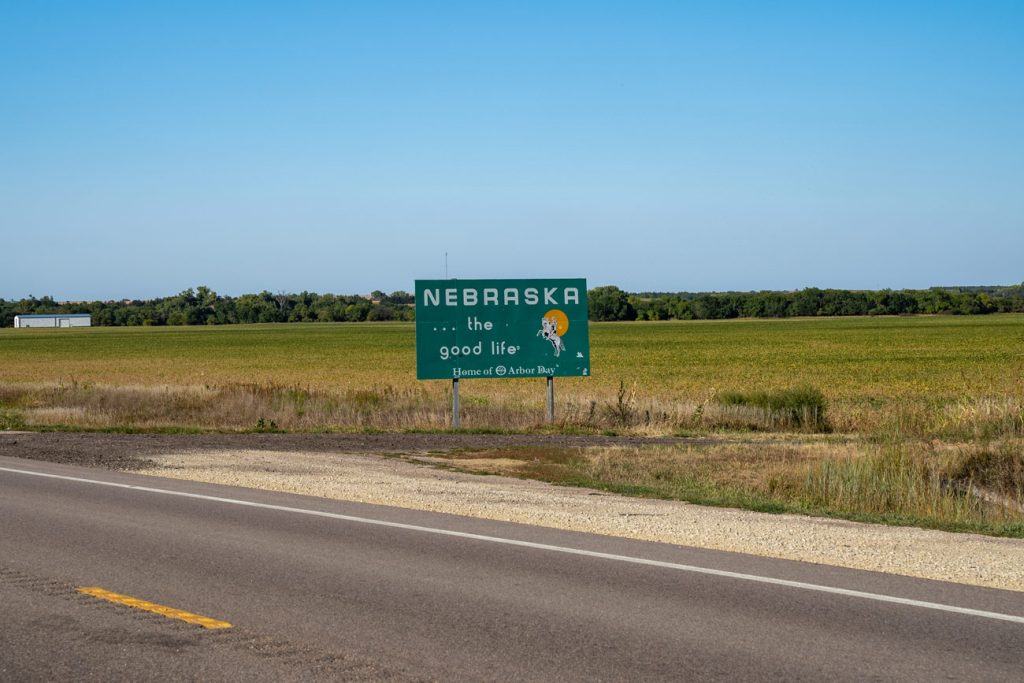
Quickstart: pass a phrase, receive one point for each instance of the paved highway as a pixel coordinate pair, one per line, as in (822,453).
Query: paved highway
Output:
(317,589)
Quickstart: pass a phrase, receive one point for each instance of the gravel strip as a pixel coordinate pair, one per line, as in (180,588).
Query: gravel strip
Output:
(961,558)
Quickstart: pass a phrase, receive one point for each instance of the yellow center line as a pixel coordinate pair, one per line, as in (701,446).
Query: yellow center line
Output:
(169,612)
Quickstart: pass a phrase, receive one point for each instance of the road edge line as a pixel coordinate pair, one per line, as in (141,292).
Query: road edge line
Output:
(878,597)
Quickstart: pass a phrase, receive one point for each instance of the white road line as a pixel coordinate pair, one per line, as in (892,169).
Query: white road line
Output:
(878,597)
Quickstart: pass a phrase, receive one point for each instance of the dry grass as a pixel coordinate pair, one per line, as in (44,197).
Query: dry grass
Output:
(428,406)
(953,486)
(232,407)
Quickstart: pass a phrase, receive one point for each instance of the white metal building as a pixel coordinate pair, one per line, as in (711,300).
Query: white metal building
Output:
(54,320)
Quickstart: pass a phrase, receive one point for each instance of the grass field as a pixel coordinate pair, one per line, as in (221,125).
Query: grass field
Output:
(852,358)
(937,374)
(922,418)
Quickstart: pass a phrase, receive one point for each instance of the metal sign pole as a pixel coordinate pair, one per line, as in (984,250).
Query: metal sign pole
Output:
(455,403)
(551,399)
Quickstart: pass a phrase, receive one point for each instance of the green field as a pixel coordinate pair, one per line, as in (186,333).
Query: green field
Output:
(869,369)
(922,418)
(849,358)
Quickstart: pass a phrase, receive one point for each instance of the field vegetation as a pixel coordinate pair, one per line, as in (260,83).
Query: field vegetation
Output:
(960,487)
(900,419)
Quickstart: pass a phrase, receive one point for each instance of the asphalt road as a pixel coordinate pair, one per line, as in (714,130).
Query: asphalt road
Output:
(318,589)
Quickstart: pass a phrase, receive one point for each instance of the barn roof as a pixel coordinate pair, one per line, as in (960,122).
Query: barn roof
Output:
(53,315)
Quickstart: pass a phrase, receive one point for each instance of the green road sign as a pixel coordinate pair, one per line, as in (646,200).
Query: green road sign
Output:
(501,328)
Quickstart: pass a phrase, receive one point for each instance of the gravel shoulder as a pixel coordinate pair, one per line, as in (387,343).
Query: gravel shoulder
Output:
(353,467)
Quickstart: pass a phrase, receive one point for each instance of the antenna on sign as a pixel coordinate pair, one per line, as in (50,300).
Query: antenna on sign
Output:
(446,265)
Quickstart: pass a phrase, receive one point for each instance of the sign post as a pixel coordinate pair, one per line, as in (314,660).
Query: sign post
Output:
(467,329)
(455,403)
(551,399)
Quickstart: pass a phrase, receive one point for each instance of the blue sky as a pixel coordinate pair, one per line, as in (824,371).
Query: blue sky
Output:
(348,146)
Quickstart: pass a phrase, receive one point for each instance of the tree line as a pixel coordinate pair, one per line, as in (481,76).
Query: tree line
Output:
(203,306)
(611,303)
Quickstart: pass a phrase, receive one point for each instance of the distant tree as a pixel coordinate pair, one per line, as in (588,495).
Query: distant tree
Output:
(400,297)
(357,312)
(656,308)
(204,306)
(806,302)
(609,303)
(843,302)
(716,306)
(380,312)
(765,305)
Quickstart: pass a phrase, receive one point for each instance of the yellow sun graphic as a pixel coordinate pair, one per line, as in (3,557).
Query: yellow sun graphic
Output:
(561,320)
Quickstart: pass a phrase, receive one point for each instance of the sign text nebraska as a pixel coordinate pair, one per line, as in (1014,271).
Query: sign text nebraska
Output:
(494,296)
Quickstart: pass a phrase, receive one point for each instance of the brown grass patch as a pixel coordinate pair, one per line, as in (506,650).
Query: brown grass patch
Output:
(956,486)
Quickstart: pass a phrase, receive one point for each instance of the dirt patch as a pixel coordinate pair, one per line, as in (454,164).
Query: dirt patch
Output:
(133,451)
(489,465)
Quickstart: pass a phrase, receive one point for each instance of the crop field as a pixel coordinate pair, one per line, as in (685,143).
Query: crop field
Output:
(941,370)
(894,418)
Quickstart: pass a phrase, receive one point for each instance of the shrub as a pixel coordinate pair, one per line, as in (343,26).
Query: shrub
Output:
(800,407)
(997,469)
(10,419)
